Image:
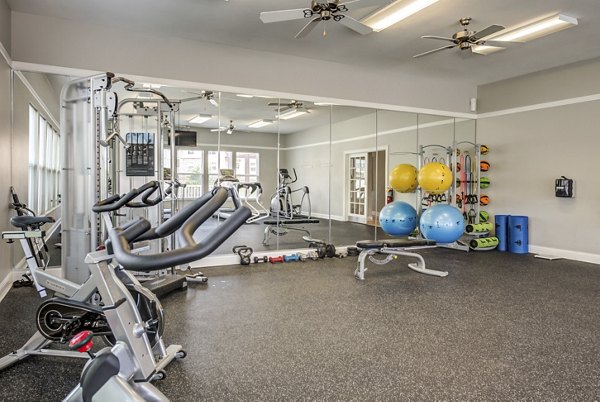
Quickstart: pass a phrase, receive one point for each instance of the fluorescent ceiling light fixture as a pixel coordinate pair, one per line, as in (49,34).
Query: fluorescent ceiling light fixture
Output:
(290,114)
(485,50)
(153,86)
(253,96)
(395,12)
(201,118)
(537,29)
(260,123)
(323,104)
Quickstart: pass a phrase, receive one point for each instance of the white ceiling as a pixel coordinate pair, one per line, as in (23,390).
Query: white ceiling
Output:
(237,23)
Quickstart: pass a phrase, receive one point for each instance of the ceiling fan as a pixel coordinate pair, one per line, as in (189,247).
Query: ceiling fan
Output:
(466,39)
(283,106)
(208,95)
(318,11)
(229,129)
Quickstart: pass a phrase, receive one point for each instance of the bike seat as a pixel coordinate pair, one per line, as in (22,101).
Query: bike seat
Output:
(25,222)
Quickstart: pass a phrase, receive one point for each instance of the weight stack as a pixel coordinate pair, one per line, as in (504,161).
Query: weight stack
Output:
(502,231)
(518,234)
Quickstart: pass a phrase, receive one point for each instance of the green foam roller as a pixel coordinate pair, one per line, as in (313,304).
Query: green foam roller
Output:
(479,227)
(484,242)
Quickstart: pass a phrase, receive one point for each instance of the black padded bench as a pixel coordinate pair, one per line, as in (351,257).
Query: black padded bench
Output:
(392,248)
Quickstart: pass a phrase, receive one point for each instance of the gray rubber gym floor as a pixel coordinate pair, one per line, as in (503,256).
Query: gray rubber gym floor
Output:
(499,327)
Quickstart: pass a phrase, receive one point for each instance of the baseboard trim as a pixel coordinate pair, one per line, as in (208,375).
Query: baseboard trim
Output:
(567,254)
(233,259)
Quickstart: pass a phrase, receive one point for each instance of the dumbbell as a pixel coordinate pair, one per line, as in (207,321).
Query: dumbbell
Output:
(291,258)
(274,260)
(261,259)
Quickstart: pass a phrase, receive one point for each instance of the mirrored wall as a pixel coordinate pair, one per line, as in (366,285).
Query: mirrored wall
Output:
(308,171)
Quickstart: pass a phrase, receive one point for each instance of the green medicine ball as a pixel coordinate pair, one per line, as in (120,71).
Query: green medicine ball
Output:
(484,182)
(484,216)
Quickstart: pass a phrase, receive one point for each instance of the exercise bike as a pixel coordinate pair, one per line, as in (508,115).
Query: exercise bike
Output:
(75,307)
(78,307)
(282,203)
(111,374)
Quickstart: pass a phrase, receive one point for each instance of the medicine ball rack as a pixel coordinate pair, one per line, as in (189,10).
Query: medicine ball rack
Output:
(451,157)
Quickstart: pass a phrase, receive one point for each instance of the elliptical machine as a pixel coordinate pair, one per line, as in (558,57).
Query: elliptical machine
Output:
(282,202)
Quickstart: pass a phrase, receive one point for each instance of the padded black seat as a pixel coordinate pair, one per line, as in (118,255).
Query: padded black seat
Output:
(368,244)
(290,221)
(397,243)
(25,222)
(394,243)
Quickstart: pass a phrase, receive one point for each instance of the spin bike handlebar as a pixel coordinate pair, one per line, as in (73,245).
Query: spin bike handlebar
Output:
(169,226)
(190,250)
(115,202)
(146,192)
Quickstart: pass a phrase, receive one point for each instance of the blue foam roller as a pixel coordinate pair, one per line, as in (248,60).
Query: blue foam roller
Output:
(502,231)
(518,234)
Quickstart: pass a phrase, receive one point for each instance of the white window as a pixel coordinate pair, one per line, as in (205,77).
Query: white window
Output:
(190,170)
(44,163)
(225,161)
(246,166)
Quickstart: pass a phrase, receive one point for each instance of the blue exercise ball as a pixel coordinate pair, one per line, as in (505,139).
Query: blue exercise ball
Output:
(442,223)
(398,218)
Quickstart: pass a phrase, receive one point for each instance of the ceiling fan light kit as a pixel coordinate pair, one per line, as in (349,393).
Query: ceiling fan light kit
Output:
(395,12)
(201,118)
(538,29)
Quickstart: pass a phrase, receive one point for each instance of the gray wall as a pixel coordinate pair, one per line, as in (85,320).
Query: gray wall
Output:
(61,42)
(5,25)
(528,151)
(574,80)
(5,163)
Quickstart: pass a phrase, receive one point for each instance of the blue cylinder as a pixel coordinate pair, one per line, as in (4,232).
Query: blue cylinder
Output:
(502,231)
(518,234)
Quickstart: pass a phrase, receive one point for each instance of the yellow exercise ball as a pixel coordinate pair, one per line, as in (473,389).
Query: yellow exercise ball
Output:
(403,178)
(435,178)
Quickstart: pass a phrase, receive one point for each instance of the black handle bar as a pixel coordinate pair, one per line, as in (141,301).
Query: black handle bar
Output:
(190,250)
(146,192)
(115,202)
(169,226)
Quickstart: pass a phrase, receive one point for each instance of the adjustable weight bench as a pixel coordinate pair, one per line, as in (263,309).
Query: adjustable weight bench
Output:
(392,248)
(281,226)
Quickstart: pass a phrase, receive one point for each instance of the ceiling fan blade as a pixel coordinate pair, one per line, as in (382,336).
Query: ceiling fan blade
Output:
(343,3)
(498,43)
(283,15)
(213,102)
(492,29)
(437,37)
(434,50)
(308,28)
(355,25)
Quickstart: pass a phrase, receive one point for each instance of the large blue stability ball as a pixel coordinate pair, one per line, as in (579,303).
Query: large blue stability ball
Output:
(398,218)
(442,223)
